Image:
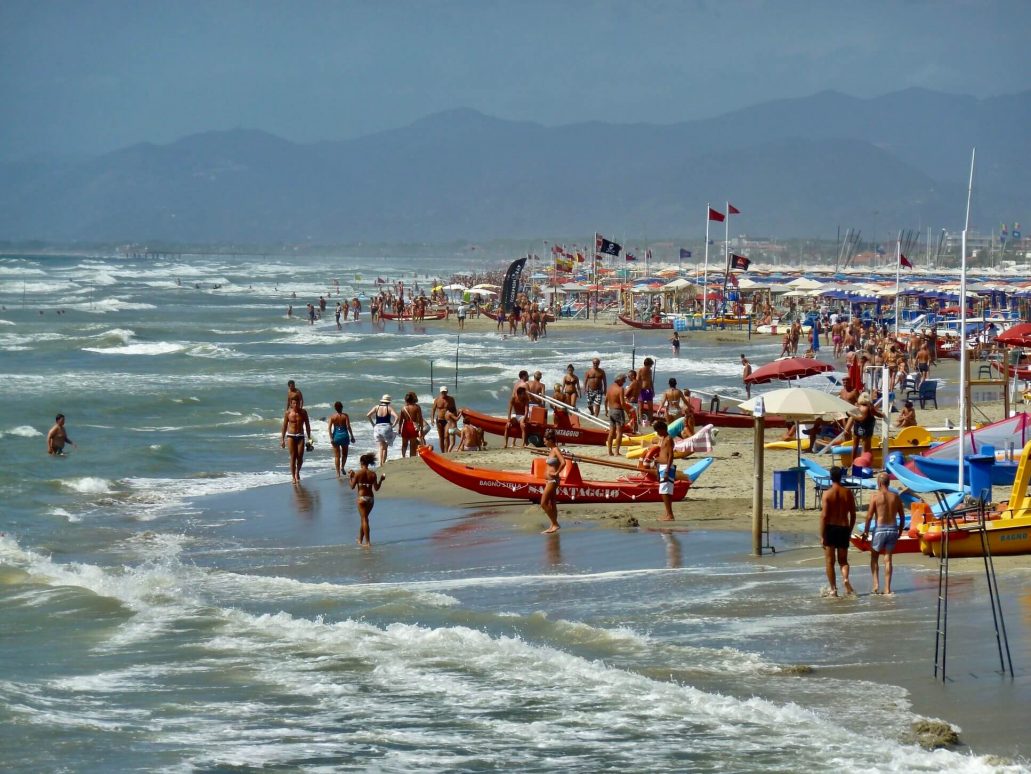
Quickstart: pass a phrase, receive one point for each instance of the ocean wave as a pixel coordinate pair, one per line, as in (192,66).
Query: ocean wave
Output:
(122,335)
(141,348)
(104,305)
(88,485)
(213,351)
(22,431)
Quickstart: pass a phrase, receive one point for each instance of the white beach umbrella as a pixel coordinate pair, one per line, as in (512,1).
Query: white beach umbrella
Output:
(677,284)
(800,404)
(455,286)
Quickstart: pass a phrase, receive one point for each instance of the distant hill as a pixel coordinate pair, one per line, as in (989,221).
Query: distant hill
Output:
(797,167)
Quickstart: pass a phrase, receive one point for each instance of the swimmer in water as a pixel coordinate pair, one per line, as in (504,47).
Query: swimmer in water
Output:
(58,437)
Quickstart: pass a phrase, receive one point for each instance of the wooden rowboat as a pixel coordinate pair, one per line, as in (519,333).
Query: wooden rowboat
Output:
(572,488)
(439,314)
(646,324)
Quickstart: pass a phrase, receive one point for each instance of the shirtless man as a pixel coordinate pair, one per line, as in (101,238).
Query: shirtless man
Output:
(595,386)
(923,364)
(645,379)
(522,381)
(616,408)
(535,387)
(57,437)
(438,413)
(632,391)
(518,406)
(667,471)
(471,438)
(295,427)
(886,506)
(837,519)
(293,392)
(674,404)
(746,371)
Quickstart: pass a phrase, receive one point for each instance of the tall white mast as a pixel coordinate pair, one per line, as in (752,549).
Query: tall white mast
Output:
(963,325)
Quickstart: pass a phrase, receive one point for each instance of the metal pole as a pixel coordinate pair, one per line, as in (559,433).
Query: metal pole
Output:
(458,344)
(963,376)
(757,485)
(705,270)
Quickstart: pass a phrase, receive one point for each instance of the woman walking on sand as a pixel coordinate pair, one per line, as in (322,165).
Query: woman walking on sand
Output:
(555,464)
(341,436)
(383,418)
(412,425)
(366,482)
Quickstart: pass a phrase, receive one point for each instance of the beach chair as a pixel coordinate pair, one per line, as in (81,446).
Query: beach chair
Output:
(928,391)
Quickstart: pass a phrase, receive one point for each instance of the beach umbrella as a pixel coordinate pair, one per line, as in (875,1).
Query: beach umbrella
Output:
(455,286)
(487,285)
(1017,336)
(800,404)
(787,368)
(677,284)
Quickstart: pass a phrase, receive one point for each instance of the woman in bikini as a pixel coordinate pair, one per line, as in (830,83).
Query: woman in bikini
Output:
(571,386)
(366,482)
(555,464)
(411,425)
(341,436)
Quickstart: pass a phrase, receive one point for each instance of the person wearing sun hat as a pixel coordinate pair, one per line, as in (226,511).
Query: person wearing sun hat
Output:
(438,415)
(383,418)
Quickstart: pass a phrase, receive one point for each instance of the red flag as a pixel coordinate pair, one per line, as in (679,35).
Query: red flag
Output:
(732,210)
(905,261)
(556,249)
(716,215)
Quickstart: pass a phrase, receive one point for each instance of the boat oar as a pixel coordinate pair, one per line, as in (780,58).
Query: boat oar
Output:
(569,409)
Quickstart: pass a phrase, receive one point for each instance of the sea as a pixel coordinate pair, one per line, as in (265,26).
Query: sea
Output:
(170,602)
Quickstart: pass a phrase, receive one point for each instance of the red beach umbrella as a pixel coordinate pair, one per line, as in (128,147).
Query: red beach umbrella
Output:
(788,368)
(1017,336)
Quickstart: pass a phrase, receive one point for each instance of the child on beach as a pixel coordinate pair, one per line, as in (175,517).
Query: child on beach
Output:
(366,482)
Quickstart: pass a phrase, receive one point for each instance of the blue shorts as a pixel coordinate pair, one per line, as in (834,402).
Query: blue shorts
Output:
(884,540)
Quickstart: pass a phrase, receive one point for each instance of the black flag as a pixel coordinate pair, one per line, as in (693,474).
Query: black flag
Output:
(606,246)
(510,288)
(739,263)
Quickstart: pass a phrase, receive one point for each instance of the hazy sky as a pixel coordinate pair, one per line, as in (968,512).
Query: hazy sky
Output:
(94,75)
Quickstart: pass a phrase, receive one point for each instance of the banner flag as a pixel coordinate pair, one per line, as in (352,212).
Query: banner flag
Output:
(716,215)
(510,287)
(631,257)
(903,260)
(687,254)
(607,246)
(739,263)
(732,210)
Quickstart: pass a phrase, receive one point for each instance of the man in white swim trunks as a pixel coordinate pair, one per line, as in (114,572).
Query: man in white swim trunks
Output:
(667,471)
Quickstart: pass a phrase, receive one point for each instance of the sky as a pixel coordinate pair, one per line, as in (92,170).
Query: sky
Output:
(90,76)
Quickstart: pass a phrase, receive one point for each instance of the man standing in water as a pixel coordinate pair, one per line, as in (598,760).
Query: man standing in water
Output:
(837,519)
(746,371)
(57,437)
(886,506)
(667,471)
(595,386)
(295,427)
(292,392)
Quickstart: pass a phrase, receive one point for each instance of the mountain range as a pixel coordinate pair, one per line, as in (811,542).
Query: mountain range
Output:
(796,167)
